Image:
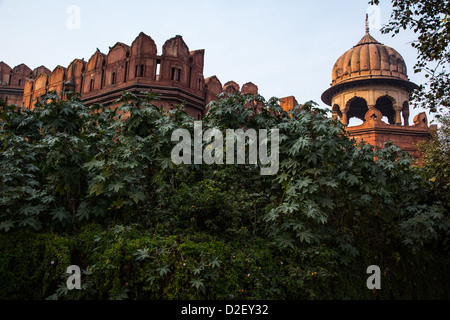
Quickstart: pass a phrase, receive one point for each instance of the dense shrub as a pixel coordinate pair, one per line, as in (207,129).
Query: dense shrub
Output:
(97,188)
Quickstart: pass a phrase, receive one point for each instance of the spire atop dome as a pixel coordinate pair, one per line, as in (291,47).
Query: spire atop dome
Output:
(367,24)
(367,39)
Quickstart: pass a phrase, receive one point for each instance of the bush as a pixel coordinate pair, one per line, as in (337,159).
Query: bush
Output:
(32,263)
(97,188)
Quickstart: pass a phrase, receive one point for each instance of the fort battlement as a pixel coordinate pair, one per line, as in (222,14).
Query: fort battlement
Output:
(12,81)
(176,75)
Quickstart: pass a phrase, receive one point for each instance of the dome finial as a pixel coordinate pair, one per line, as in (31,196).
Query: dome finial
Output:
(367,23)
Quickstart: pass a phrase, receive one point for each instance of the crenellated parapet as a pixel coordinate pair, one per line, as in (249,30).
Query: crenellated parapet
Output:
(214,87)
(14,80)
(176,74)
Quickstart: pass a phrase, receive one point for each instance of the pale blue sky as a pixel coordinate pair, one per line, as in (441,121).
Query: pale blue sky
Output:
(285,47)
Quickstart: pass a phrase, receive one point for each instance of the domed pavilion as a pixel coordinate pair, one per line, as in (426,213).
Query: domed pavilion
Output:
(370,82)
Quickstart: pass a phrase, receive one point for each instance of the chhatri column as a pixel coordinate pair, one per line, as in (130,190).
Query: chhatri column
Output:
(406,116)
(398,118)
(344,118)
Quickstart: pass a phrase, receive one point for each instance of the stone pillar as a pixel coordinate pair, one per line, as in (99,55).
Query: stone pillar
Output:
(406,118)
(344,118)
(405,113)
(398,119)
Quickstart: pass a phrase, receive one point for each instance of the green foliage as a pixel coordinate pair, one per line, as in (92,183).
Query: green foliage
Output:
(435,162)
(96,187)
(32,263)
(435,169)
(124,262)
